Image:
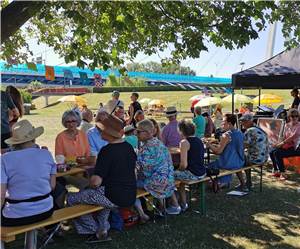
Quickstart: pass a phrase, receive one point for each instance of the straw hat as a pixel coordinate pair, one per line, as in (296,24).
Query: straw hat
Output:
(110,124)
(23,131)
(129,128)
(171,111)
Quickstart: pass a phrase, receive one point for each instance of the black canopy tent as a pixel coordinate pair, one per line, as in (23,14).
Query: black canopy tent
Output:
(282,71)
(279,72)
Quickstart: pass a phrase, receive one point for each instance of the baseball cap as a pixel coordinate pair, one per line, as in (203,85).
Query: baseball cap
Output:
(247,117)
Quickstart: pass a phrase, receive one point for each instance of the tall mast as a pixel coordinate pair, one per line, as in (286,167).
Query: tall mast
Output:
(271,40)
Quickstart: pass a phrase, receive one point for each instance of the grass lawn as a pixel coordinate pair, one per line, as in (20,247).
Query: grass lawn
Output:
(270,219)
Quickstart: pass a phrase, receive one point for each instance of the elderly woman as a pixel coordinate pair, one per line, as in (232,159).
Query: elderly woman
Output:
(191,165)
(73,144)
(113,183)
(155,167)
(26,186)
(87,118)
(289,146)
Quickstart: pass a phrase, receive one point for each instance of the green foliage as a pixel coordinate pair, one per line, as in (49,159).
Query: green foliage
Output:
(103,34)
(112,81)
(26,96)
(35,85)
(155,67)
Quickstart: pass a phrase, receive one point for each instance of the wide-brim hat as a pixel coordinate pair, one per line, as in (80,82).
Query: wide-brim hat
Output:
(171,111)
(23,131)
(110,124)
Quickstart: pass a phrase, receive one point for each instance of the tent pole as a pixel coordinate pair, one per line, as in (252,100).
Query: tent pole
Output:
(259,93)
(232,102)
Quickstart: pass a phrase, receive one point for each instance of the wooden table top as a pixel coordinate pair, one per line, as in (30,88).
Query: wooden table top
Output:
(72,171)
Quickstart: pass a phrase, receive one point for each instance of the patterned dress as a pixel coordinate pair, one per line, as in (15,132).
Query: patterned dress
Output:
(156,169)
(258,145)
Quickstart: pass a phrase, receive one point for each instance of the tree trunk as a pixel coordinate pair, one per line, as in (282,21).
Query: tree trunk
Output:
(16,14)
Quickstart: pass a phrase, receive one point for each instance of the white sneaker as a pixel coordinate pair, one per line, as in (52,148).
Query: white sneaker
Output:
(173,210)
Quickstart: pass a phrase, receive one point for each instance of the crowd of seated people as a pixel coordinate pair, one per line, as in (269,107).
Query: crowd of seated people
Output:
(126,155)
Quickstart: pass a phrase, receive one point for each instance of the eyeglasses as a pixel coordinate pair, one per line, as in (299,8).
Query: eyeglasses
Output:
(140,131)
(71,121)
(294,116)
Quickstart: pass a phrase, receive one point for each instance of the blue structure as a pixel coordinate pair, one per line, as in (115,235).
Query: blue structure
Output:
(20,74)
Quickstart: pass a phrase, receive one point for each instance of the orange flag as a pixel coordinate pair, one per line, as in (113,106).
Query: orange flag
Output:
(49,73)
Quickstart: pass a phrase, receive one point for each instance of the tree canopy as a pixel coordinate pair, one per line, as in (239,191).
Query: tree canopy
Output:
(156,67)
(106,33)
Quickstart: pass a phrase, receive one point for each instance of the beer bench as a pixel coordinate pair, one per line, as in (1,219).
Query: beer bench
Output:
(223,172)
(8,234)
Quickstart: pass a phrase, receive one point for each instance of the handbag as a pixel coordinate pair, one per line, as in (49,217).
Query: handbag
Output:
(210,172)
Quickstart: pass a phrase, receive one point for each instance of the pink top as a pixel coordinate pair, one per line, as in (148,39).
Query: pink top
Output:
(292,134)
(72,148)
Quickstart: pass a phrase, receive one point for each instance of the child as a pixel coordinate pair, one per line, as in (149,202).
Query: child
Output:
(199,122)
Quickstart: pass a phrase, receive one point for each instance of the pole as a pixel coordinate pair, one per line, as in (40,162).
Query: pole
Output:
(259,93)
(271,40)
(232,102)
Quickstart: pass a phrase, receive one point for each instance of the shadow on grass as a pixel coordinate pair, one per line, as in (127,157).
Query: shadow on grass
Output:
(259,220)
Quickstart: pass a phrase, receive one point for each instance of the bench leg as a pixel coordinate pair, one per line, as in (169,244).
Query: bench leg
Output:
(31,240)
(202,198)
(260,183)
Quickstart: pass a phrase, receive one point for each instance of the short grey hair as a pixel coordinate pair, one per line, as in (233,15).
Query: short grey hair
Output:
(68,114)
(146,125)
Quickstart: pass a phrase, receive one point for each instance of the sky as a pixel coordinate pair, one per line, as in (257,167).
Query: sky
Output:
(217,61)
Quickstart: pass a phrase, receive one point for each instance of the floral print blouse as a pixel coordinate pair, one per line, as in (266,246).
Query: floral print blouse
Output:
(156,168)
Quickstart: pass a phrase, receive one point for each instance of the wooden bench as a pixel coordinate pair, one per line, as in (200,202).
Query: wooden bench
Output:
(223,172)
(8,234)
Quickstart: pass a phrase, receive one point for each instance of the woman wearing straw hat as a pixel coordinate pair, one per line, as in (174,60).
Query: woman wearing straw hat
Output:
(27,184)
(113,183)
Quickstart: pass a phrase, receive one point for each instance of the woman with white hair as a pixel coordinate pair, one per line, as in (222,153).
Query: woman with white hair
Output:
(26,186)
(155,167)
(73,144)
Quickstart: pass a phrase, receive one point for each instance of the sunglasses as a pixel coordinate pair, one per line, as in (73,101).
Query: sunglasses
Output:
(294,116)
(71,121)
(140,131)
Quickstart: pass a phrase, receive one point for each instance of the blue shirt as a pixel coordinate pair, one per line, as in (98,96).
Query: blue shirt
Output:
(132,140)
(95,140)
(26,174)
(232,156)
(200,124)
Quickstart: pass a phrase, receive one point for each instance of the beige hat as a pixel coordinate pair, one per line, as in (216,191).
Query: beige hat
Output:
(23,131)
(110,124)
(129,128)
(171,111)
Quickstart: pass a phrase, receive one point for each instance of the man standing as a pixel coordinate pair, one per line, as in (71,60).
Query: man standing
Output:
(133,108)
(112,104)
(257,144)
(295,95)
(6,104)
(170,134)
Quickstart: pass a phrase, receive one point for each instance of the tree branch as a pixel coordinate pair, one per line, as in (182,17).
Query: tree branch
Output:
(17,13)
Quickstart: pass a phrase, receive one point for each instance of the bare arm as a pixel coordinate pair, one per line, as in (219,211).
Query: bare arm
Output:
(3,192)
(131,112)
(95,181)
(184,148)
(218,149)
